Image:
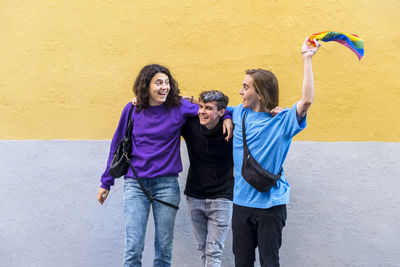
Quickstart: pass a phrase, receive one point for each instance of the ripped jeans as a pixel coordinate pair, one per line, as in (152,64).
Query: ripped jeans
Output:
(137,209)
(211,219)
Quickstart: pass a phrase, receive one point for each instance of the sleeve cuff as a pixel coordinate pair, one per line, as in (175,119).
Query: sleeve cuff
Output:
(227,115)
(105,186)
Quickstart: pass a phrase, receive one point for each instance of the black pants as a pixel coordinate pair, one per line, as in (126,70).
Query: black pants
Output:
(262,228)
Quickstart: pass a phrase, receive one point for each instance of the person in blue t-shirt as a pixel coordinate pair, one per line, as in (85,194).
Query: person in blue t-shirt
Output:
(258,218)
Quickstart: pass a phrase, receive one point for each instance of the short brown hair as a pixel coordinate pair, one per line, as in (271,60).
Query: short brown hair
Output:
(141,87)
(266,86)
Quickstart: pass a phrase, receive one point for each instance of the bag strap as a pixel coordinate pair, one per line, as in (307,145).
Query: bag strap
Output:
(128,132)
(245,143)
(244,131)
(148,195)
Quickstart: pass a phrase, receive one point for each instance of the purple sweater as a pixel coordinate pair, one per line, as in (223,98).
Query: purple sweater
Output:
(155,141)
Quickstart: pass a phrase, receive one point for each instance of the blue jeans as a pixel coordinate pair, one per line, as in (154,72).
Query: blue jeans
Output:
(211,219)
(137,208)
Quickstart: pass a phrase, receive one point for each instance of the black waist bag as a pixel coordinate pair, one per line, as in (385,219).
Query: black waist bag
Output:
(121,162)
(258,177)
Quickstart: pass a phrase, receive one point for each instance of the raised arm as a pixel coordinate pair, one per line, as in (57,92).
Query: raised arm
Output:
(308,79)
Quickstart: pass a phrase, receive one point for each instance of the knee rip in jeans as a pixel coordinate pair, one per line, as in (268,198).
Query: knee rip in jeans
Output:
(214,246)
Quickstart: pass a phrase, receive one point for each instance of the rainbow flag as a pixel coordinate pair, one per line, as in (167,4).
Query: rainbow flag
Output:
(352,41)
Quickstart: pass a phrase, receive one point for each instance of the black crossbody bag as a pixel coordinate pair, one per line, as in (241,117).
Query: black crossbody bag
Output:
(258,177)
(121,162)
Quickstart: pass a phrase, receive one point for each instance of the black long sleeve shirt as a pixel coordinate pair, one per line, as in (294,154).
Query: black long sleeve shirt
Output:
(211,161)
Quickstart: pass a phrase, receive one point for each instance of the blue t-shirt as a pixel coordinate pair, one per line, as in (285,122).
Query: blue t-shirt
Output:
(268,139)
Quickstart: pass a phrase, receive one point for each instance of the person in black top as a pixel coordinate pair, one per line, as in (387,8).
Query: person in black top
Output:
(209,185)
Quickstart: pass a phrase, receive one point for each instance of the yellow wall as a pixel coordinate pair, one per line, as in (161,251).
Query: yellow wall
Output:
(67,67)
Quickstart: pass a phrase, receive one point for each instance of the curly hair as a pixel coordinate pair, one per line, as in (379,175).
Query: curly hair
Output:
(141,87)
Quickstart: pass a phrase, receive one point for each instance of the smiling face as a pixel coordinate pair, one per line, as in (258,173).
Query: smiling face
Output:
(251,99)
(159,88)
(209,114)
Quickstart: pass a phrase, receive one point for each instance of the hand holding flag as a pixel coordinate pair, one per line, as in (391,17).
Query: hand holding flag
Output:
(352,41)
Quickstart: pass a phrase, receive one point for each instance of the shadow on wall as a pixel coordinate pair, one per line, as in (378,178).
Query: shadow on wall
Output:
(343,210)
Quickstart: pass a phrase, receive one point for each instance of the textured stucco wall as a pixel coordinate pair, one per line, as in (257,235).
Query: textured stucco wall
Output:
(67,67)
(343,211)
(67,70)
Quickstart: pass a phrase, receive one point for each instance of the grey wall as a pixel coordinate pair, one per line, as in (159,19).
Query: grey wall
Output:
(344,208)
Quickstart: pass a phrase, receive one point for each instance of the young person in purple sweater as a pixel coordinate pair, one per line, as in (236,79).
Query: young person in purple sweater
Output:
(157,120)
